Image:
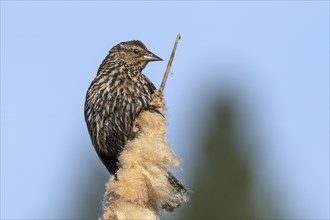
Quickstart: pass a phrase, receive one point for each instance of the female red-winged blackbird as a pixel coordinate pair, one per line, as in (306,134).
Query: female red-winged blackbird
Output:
(116,96)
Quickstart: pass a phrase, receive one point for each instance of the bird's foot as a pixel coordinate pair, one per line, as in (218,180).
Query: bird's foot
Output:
(157,101)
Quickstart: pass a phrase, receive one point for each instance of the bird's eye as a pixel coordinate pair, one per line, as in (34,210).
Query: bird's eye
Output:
(136,51)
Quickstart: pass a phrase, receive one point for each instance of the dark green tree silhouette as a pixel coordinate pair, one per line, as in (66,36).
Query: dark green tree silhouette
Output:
(222,189)
(88,204)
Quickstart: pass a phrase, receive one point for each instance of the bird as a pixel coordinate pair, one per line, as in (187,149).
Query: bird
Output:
(114,99)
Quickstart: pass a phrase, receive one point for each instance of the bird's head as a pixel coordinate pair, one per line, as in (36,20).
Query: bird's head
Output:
(133,53)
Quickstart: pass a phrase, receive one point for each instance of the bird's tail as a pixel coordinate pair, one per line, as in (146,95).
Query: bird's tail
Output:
(178,196)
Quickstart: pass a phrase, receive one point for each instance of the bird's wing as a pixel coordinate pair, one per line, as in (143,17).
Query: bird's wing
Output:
(151,86)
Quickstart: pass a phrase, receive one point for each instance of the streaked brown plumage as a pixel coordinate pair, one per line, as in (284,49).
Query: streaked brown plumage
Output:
(115,97)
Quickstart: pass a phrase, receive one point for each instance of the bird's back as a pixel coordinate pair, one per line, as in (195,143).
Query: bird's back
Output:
(113,101)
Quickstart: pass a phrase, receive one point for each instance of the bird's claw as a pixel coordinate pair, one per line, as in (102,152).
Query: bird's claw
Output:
(157,101)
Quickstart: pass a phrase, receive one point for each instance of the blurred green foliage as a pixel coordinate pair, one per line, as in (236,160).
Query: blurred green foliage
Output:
(222,189)
(89,205)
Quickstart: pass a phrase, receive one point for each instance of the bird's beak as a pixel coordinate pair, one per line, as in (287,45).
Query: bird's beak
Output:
(152,57)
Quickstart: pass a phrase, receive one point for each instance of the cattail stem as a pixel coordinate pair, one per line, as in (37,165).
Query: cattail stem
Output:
(169,64)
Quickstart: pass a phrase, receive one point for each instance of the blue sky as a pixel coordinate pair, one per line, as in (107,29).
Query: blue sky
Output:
(50,52)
